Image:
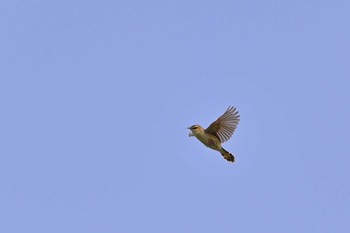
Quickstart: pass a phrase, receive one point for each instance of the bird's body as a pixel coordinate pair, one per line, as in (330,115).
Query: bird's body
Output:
(208,139)
(218,132)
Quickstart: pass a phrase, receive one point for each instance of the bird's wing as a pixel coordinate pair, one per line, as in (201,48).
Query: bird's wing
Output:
(225,125)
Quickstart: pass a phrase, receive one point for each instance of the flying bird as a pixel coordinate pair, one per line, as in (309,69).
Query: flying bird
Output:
(218,132)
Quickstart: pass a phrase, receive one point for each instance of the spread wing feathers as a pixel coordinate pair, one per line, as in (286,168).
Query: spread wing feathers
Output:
(225,125)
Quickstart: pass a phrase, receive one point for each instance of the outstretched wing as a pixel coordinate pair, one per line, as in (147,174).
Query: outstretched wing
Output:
(225,125)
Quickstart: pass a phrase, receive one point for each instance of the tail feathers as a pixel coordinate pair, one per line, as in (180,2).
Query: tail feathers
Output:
(227,155)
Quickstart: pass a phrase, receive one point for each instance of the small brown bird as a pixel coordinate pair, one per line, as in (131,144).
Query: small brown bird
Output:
(218,132)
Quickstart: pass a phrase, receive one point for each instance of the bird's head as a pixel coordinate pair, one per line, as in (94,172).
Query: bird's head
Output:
(196,129)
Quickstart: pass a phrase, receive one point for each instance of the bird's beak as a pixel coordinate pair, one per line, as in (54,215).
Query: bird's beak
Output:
(189,128)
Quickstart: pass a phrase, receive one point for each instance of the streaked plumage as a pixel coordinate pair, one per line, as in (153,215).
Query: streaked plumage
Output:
(218,132)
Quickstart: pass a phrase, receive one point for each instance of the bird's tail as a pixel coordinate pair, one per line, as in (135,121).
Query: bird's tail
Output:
(227,155)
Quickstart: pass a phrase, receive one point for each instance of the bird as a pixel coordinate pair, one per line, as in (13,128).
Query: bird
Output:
(218,132)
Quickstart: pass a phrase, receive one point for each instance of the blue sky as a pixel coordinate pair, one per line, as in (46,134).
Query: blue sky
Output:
(96,98)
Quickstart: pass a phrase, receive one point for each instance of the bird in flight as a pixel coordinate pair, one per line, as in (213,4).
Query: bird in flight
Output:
(218,132)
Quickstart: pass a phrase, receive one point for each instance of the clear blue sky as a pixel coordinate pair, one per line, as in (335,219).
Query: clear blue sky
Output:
(96,98)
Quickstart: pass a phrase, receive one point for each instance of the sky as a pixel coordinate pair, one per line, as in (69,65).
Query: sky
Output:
(96,98)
